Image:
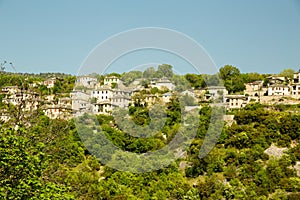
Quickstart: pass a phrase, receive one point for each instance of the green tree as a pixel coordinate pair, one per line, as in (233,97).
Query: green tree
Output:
(287,73)
(22,162)
(149,73)
(232,78)
(129,77)
(165,70)
(228,71)
(196,81)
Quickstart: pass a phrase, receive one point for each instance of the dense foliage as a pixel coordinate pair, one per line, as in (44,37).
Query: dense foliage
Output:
(47,160)
(44,158)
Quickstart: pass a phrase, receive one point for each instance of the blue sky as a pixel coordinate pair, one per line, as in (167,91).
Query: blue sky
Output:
(57,35)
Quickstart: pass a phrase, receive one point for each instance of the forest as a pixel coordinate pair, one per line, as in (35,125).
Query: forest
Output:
(44,158)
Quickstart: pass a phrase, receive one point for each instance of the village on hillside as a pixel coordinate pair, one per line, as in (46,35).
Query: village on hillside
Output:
(92,96)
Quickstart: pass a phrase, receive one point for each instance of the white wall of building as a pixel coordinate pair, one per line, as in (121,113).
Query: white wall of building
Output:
(278,90)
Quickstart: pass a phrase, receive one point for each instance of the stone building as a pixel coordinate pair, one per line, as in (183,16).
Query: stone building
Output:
(236,101)
(278,90)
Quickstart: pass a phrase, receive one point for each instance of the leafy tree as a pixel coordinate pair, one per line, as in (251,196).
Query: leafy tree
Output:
(180,83)
(266,82)
(212,80)
(149,73)
(232,79)
(251,77)
(196,81)
(287,73)
(228,71)
(21,167)
(129,77)
(234,85)
(165,70)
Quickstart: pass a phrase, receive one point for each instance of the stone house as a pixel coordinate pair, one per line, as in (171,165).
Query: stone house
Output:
(49,83)
(278,90)
(80,101)
(121,101)
(295,85)
(254,88)
(236,101)
(86,81)
(103,107)
(109,80)
(216,93)
(163,83)
(103,93)
(28,100)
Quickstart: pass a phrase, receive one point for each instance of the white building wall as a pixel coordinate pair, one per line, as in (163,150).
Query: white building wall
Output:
(102,94)
(278,91)
(87,81)
(110,80)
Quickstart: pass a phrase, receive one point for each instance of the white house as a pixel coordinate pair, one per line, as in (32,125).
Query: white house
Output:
(278,90)
(216,92)
(103,93)
(50,82)
(295,90)
(295,86)
(163,83)
(121,101)
(276,79)
(80,101)
(236,101)
(108,80)
(296,78)
(86,81)
(254,86)
(104,107)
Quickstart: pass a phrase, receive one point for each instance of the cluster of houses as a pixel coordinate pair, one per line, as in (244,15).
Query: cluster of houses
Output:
(102,99)
(278,89)
(91,96)
(28,101)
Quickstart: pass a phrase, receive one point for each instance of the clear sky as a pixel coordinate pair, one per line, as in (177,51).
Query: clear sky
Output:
(57,35)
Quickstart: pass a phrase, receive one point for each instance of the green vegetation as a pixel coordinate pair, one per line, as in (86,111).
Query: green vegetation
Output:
(44,158)
(47,160)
